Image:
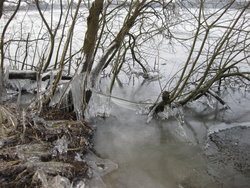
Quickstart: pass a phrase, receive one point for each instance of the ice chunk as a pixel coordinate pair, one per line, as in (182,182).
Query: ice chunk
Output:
(77,94)
(99,106)
(143,109)
(60,182)
(152,76)
(96,182)
(61,146)
(99,166)
(40,175)
(175,111)
(80,184)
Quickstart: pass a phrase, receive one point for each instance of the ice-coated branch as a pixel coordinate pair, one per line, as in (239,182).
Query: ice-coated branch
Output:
(97,70)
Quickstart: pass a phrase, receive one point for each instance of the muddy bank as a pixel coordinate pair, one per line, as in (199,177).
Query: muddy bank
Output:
(45,149)
(228,152)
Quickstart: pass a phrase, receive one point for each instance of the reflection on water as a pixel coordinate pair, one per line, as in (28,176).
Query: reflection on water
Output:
(149,155)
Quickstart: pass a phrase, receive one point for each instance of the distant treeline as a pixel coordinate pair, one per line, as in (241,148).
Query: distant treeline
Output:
(212,3)
(178,3)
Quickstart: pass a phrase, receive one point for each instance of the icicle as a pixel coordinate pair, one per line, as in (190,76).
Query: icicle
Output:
(77,94)
(150,117)
(180,114)
(210,102)
(19,95)
(6,74)
(151,114)
(99,106)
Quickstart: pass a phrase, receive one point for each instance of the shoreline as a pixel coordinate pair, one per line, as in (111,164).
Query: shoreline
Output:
(42,150)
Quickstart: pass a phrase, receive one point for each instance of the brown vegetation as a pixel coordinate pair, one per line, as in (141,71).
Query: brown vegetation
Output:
(30,146)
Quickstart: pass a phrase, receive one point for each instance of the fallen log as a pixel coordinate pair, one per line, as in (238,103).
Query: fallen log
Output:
(33,75)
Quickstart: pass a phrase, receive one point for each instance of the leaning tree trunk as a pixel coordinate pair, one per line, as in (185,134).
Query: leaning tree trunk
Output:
(89,46)
(116,43)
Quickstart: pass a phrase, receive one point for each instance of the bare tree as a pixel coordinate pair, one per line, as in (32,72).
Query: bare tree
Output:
(219,49)
(90,39)
(137,11)
(2,44)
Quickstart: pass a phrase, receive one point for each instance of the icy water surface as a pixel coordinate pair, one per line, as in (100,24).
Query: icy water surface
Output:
(166,153)
(148,155)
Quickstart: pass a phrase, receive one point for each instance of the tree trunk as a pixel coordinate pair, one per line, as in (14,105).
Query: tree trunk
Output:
(91,34)
(1,8)
(116,43)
